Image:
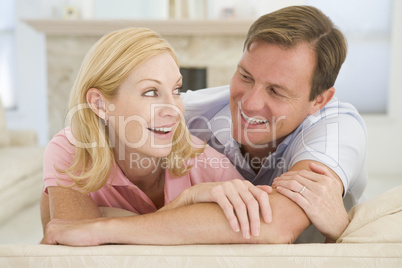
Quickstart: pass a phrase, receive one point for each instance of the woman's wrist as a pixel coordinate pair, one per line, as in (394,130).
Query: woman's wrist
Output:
(110,230)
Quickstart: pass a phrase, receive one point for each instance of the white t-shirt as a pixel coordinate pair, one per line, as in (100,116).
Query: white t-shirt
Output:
(336,136)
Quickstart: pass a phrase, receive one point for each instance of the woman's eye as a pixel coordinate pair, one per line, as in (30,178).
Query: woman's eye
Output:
(176,91)
(150,93)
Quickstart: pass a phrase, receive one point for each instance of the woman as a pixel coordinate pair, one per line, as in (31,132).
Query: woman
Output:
(128,146)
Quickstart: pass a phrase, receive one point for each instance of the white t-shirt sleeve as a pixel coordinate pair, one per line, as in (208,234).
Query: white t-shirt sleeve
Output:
(338,142)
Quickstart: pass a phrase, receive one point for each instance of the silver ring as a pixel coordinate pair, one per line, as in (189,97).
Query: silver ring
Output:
(302,190)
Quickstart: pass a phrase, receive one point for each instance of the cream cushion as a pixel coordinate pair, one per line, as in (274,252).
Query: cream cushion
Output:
(18,163)
(20,178)
(20,169)
(377,220)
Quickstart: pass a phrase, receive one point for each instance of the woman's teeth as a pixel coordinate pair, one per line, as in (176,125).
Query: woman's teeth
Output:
(252,120)
(161,129)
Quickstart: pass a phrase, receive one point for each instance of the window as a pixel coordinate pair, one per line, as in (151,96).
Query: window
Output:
(365,75)
(364,79)
(7,53)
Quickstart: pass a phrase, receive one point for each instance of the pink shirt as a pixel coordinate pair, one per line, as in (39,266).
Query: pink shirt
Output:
(120,192)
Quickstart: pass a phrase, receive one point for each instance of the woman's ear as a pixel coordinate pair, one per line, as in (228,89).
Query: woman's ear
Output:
(96,102)
(321,100)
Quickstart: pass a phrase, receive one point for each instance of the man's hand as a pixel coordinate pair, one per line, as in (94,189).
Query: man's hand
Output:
(319,193)
(240,201)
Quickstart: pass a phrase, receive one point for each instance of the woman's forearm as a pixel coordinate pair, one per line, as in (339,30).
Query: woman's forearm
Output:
(202,223)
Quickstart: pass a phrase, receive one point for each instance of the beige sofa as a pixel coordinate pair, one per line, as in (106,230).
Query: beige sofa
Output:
(301,255)
(20,169)
(373,239)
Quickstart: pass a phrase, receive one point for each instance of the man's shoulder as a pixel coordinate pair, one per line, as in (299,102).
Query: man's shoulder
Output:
(338,111)
(208,97)
(338,123)
(202,105)
(335,107)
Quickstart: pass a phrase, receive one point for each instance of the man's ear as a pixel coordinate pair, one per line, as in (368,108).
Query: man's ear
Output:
(321,100)
(96,102)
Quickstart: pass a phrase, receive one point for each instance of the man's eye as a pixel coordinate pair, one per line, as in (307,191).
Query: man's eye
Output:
(273,91)
(245,77)
(150,93)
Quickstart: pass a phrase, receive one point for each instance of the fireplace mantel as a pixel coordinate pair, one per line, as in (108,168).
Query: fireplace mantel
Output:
(164,27)
(216,45)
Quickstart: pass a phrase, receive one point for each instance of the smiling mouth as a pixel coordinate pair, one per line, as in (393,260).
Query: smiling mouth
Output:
(252,120)
(161,130)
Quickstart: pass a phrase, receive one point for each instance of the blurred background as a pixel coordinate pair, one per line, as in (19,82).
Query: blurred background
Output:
(43,42)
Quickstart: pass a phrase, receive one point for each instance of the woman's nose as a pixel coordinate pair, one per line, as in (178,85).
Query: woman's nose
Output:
(170,107)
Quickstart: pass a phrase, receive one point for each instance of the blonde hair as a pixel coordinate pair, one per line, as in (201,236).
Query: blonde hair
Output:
(291,25)
(105,67)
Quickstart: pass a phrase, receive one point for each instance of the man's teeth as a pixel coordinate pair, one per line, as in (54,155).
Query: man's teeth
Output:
(252,120)
(161,129)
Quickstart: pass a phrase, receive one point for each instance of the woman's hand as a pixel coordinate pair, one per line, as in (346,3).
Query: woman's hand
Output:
(319,193)
(72,232)
(240,201)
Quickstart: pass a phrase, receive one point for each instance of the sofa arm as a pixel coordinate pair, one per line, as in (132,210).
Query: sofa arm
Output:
(19,137)
(377,220)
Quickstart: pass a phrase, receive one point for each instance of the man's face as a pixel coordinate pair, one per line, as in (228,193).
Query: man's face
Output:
(269,93)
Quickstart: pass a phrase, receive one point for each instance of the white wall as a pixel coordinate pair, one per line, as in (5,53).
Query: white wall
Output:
(367,27)
(31,80)
(385,131)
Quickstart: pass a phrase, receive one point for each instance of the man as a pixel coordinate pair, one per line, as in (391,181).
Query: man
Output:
(284,117)
(279,124)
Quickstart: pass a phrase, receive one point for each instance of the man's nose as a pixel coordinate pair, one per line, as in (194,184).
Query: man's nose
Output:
(254,99)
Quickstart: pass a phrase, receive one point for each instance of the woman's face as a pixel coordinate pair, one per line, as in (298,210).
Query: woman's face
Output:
(147,109)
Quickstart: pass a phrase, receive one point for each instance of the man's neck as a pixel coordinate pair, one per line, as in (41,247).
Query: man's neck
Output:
(256,155)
